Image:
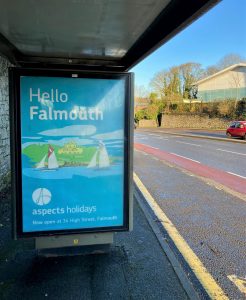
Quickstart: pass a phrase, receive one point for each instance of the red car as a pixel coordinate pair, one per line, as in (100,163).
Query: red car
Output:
(237,129)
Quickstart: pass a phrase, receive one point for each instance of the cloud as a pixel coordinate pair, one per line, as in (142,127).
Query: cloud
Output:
(31,137)
(118,134)
(114,98)
(78,141)
(73,130)
(114,142)
(23,146)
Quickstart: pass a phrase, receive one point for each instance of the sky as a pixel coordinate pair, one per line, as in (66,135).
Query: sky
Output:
(219,32)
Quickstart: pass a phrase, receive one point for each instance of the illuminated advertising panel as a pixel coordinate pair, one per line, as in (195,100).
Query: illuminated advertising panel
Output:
(71,151)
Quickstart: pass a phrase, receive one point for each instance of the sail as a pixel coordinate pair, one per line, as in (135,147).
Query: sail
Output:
(41,165)
(52,161)
(103,157)
(40,199)
(93,161)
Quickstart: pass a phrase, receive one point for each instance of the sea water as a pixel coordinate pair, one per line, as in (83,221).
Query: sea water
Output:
(80,197)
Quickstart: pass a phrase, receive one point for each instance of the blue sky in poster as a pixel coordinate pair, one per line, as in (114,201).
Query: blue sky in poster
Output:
(61,190)
(105,94)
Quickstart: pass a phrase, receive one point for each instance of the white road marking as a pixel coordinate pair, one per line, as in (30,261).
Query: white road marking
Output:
(154,134)
(189,144)
(218,188)
(231,151)
(150,146)
(236,175)
(155,158)
(240,282)
(186,157)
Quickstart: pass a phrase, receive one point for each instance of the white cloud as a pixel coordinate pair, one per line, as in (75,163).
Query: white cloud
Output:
(23,146)
(73,130)
(114,98)
(118,134)
(114,142)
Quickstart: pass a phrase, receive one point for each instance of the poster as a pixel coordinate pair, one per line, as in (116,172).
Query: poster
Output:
(72,153)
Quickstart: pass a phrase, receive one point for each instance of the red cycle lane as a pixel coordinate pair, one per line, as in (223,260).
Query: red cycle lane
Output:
(231,181)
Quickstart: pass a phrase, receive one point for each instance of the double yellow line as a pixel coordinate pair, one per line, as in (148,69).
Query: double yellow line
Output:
(209,284)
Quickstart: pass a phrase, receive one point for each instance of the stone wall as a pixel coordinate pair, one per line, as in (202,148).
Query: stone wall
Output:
(193,121)
(4,124)
(147,123)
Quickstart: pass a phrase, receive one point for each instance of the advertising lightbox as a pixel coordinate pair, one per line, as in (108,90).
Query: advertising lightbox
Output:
(71,158)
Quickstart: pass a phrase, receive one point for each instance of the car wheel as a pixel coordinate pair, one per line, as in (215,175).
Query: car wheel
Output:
(228,135)
(244,137)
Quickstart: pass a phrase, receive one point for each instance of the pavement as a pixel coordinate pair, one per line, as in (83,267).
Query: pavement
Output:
(136,267)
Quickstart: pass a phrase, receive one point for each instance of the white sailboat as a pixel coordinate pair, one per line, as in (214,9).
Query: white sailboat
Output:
(41,164)
(93,162)
(52,161)
(100,159)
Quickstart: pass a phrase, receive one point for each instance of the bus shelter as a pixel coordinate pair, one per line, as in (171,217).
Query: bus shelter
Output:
(71,100)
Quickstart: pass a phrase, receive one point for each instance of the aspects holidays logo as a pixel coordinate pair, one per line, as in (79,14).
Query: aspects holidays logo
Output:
(41,196)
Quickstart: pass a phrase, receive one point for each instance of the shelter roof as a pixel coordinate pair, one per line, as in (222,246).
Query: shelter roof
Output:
(92,34)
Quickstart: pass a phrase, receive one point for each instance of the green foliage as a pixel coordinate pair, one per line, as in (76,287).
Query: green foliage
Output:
(84,158)
(241,109)
(152,111)
(140,115)
(153,97)
(228,109)
(36,152)
(182,108)
(177,81)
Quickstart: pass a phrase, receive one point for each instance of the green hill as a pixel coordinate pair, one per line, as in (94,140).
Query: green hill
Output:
(36,152)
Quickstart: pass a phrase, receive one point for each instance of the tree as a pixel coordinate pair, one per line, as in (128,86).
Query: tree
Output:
(174,81)
(140,91)
(235,81)
(224,62)
(159,83)
(191,72)
(210,70)
(140,96)
(229,60)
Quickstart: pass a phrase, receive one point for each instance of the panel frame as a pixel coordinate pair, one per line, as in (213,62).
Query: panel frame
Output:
(16,163)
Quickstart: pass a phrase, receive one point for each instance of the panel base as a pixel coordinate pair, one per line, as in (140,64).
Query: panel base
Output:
(74,240)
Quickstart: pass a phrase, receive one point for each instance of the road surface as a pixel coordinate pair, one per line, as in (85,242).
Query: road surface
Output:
(201,186)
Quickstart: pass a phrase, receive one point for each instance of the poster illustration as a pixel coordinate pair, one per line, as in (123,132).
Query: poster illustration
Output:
(72,143)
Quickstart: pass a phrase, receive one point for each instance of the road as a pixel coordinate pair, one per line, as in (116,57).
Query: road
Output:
(226,156)
(200,185)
